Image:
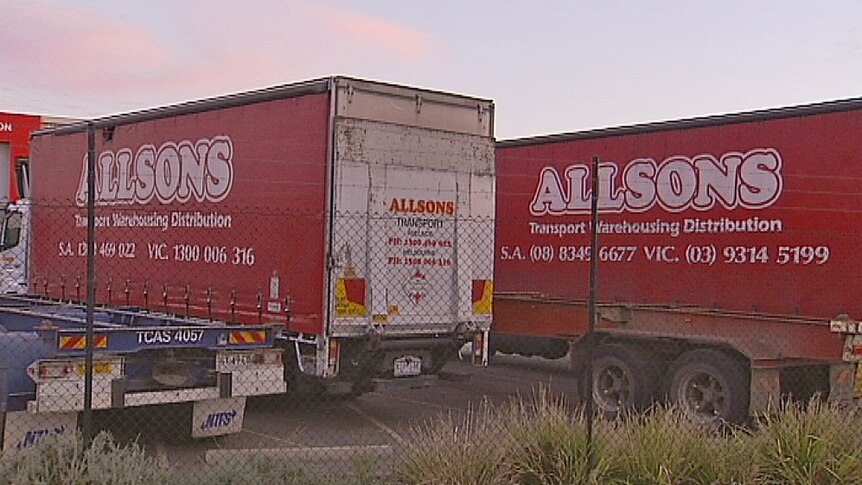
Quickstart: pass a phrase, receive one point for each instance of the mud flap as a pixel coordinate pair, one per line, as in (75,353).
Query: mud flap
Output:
(22,429)
(845,383)
(217,417)
(765,391)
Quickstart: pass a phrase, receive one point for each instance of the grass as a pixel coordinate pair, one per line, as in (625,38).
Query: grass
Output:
(817,444)
(543,441)
(458,449)
(663,447)
(552,445)
(537,440)
(257,470)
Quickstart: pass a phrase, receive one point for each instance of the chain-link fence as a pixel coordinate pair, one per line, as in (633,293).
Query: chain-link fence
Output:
(236,346)
(371,304)
(224,337)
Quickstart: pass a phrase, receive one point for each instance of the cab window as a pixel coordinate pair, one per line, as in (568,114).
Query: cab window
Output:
(11,230)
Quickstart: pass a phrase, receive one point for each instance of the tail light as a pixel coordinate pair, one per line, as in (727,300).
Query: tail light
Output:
(269,357)
(45,370)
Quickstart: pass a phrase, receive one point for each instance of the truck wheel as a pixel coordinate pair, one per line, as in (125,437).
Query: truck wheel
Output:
(624,377)
(709,386)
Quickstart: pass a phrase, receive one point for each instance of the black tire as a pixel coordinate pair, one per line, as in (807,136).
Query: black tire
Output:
(709,386)
(555,349)
(624,378)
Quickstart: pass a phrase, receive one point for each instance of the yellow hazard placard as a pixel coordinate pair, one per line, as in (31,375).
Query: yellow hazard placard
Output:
(483,295)
(350,297)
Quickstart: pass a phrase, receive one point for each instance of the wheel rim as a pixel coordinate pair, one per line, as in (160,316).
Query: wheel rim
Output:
(702,395)
(611,387)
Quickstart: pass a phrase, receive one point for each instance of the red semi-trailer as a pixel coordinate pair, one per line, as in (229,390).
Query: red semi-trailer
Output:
(357,216)
(728,245)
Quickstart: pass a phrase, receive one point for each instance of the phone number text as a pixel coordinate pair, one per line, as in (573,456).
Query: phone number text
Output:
(691,254)
(181,253)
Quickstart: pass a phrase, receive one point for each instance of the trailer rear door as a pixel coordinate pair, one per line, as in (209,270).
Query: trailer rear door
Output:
(413,211)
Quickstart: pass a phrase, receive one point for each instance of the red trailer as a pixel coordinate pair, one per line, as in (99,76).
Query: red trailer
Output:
(356,215)
(728,245)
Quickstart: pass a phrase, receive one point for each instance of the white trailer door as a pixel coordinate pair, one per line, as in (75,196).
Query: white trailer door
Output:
(412,217)
(395,240)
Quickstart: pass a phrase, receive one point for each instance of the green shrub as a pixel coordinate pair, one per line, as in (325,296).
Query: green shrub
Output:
(62,460)
(816,444)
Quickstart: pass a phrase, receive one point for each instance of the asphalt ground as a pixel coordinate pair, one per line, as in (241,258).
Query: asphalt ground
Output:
(334,434)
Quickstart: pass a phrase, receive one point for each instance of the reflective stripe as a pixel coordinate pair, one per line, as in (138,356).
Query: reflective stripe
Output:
(80,342)
(245,337)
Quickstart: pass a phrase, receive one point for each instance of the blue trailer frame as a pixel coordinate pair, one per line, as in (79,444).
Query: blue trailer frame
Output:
(35,330)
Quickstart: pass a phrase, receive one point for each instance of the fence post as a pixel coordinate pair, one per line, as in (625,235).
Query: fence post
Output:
(87,425)
(594,278)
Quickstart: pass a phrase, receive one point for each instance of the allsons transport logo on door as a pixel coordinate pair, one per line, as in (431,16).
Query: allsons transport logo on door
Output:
(422,206)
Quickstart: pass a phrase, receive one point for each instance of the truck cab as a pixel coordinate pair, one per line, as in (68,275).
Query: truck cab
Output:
(14,244)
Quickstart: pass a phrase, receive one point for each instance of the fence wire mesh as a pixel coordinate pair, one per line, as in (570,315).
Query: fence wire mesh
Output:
(234,347)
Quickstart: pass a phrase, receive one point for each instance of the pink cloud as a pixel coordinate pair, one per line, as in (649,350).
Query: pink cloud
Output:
(102,64)
(408,43)
(61,48)
(230,48)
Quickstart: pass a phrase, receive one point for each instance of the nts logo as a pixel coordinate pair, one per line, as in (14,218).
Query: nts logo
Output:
(219,420)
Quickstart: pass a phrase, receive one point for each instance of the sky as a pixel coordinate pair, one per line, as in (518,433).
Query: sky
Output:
(549,66)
